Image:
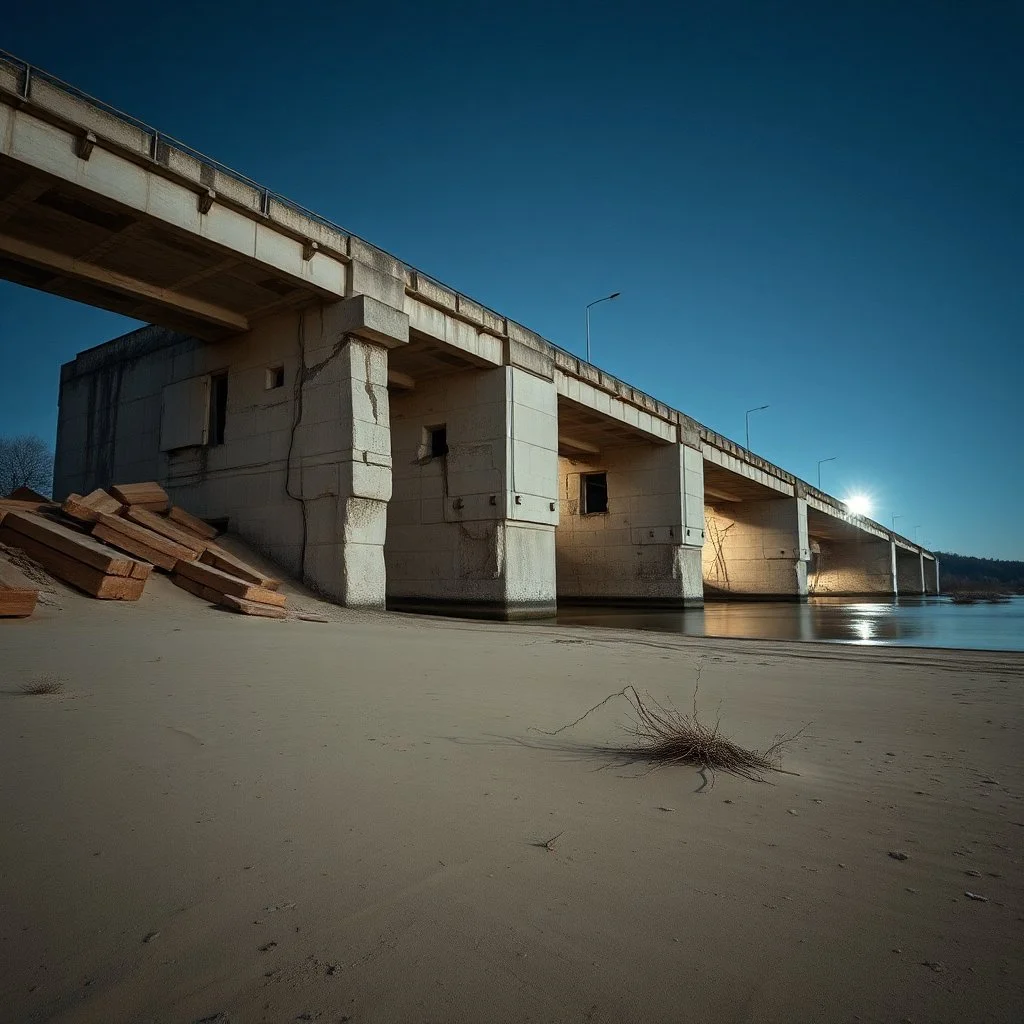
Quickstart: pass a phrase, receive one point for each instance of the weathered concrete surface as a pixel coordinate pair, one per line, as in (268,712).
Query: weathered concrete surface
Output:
(472,531)
(756,549)
(909,572)
(645,549)
(854,568)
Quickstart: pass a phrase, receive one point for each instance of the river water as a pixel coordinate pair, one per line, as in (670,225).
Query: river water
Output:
(906,621)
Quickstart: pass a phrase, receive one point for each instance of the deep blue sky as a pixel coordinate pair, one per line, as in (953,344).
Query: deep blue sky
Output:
(816,206)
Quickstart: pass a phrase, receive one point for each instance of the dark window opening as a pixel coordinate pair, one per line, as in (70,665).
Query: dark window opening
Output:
(275,377)
(438,437)
(218,407)
(593,493)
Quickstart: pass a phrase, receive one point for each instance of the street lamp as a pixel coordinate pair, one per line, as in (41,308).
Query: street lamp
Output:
(894,518)
(821,462)
(916,528)
(749,411)
(607,298)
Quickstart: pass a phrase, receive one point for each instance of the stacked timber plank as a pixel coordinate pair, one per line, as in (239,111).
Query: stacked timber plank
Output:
(18,594)
(194,526)
(149,496)
(74,558)
(219,587)
(141,542)
(87,509)
(27,494)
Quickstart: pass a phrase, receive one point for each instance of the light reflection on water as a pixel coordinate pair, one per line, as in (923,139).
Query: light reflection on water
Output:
(911,621)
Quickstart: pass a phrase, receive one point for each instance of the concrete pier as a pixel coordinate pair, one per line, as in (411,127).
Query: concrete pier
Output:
(909,572)
(471,524)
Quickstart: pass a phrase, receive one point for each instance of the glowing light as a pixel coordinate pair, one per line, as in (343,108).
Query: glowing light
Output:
(859,504)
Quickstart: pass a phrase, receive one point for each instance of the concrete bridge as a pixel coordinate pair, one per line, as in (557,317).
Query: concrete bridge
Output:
(373,430)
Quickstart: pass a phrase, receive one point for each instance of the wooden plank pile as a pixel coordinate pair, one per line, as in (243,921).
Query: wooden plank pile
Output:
(75,543)
(74,558)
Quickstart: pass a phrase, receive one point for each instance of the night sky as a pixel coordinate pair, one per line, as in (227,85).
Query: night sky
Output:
(812,206)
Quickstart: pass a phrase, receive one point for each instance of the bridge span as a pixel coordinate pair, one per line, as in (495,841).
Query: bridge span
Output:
(375,431)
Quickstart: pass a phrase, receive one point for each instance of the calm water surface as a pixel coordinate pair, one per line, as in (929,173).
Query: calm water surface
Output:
(908,621)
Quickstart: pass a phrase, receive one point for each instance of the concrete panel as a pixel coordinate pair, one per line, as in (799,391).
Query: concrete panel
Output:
(637,551)
(448,549)
(756,549)
(853,568)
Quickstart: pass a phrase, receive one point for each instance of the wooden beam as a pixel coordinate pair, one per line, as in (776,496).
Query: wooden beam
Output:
(122,284)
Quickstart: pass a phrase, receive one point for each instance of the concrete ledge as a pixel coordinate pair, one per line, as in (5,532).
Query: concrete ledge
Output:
(712,594)
(367,318)
(504,611)
(650,603)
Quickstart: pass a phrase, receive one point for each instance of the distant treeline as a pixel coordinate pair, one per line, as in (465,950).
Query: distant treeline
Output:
(962,572)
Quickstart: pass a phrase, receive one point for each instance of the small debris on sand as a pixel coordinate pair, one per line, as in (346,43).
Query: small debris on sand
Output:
(899,855)
(149,936)
(976,897)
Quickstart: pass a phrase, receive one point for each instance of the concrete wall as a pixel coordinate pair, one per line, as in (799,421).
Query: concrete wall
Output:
(931,576)
(339,478)
(853,568)
(113,399)
(646,547)
(756,549)
(909,572)
(473,532)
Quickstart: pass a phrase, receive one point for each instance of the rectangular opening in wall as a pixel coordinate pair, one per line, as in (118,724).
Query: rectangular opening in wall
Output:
(593,493)
(218,406)
(275,377)
(437,441)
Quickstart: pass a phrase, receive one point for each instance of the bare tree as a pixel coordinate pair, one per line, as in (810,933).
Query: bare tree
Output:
(25,461)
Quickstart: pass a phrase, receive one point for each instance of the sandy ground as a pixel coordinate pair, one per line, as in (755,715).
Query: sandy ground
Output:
(278,821)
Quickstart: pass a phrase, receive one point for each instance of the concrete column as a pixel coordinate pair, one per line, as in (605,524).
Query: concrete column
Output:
(854,568)
(931,575)
(342,470)
(757,549)
(645,549)
(472,531)
(909,572)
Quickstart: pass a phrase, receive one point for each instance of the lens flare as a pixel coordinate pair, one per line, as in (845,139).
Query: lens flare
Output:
(859,504)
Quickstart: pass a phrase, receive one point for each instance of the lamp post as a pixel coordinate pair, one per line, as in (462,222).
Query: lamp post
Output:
(916,528)
(821,462)
(749,411)
(894,518)
(606,298)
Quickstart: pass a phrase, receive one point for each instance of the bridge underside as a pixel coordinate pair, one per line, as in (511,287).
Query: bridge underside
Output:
(69,241)
(846,560)
(756,539)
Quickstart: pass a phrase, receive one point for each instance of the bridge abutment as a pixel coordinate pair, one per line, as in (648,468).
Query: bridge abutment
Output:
(756,549)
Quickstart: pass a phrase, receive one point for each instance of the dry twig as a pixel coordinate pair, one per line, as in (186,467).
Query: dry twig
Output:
(663,735)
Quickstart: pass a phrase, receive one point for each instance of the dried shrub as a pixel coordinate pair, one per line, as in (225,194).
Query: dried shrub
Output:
(42,685)
(663,736)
